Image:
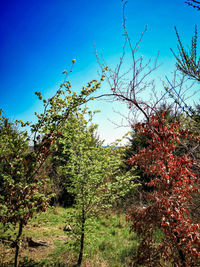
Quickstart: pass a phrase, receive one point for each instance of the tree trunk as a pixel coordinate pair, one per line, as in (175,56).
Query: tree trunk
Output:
(82,238)
(181,254)
(16,264)
(182,257)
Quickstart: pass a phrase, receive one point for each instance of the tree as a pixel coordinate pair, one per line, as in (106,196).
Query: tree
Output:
(21,195)
(93,173)
(24,190)
(138,142)
(168,204)
(173,177)
(62,155)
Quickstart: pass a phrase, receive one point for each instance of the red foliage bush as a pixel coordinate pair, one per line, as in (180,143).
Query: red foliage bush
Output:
(167,210)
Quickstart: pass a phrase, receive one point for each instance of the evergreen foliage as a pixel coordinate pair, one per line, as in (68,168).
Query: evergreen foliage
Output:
(188,62)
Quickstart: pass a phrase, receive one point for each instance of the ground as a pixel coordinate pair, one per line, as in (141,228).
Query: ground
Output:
(108,241)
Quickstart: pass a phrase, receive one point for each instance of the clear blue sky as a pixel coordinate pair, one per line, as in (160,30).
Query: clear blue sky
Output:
(39,38)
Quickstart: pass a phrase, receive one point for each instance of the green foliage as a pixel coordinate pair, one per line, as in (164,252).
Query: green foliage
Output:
(92,172)
(59,107)
(108,233)
(22,193)
(187,61)
(20,196)
(24,187)
(64,148)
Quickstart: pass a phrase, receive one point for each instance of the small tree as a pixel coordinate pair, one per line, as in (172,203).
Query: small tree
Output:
(21,195)
(91,171)
(62,155)
(174,184)
(24,190)
(174,180)
(138,141)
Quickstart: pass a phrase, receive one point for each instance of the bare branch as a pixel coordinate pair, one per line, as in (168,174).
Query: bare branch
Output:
(131,84)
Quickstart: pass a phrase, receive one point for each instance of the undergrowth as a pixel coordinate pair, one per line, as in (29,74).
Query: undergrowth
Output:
(108,241)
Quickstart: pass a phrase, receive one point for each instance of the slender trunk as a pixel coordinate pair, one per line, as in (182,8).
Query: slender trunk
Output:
(181,254)
(16,264)
(182,257)
(82,238)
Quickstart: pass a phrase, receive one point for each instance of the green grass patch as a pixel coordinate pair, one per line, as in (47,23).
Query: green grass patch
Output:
(108,241)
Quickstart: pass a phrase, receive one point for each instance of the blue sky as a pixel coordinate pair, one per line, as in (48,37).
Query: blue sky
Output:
(38,40)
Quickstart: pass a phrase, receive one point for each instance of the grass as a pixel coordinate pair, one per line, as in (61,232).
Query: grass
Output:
(108,241)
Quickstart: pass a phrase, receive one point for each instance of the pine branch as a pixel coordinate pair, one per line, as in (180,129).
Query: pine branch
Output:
(187,61)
